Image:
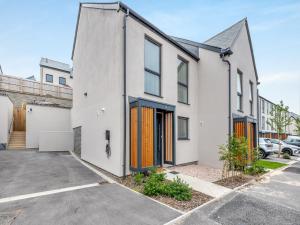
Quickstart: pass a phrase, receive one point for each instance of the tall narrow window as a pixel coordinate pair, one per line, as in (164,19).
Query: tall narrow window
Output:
(263,123)
(182,74)
(251,97)
(183,128)
(263,106)
(239,91)
(152,68)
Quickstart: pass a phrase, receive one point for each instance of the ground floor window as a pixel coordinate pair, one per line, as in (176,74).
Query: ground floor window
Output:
(183,128)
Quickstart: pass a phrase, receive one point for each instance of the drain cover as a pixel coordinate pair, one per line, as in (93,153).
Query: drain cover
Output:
(293,170)
(174,172)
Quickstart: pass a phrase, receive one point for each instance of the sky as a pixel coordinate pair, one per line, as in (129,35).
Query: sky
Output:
(31,29)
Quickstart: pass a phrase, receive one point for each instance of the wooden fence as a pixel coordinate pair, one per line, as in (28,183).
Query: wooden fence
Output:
(20,85)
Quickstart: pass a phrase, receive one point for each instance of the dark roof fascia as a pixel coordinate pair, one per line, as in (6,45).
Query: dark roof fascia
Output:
(251,48)
(49,105)
(49,67)
(199,45)
(210,48)
(76,29)
(139,18)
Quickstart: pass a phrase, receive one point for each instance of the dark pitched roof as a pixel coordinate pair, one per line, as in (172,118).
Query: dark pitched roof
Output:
(226,38)
(142,20)
(31,78)
(55,64)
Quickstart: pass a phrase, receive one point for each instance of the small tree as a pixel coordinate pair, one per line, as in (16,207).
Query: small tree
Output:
(297,124)
(280,119)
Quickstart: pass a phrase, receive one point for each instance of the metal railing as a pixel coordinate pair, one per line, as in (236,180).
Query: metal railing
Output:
(20,85)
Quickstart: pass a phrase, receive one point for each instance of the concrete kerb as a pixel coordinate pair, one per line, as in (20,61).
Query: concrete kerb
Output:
(109,180)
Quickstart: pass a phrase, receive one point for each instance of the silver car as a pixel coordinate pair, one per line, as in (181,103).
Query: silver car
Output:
(285,147)
(265,147)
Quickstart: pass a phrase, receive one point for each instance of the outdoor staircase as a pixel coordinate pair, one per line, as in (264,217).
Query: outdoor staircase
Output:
(17,140)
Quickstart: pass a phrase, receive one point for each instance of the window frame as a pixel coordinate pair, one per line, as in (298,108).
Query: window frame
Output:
(252,97)
(49,75)
(240,95)
(187,127)
(63,79)
(148,38)
(187,78)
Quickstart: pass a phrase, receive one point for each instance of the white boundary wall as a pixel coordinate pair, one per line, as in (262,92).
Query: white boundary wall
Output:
(6,117)
(55,141)
(41,119)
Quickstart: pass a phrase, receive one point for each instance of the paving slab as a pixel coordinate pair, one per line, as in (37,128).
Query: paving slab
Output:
(107,204)
(25,172)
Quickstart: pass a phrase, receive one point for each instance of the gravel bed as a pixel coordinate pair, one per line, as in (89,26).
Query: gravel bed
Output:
(233,182)
(198,198)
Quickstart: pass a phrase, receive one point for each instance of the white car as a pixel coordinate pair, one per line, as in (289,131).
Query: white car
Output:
(285,147)
(265,147)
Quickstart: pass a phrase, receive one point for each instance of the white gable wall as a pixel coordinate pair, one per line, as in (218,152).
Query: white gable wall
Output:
(242,60)
(213,98)
(98,71)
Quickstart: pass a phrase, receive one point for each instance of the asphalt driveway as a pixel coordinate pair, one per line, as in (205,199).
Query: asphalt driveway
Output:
(275,201)
(29,172)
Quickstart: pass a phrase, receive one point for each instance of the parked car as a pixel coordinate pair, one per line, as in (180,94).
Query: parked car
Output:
(265,148)
(285,147)
(293,140)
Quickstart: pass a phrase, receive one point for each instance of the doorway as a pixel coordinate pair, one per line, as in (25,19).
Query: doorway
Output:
(19,118)
(152,140)
(159,138)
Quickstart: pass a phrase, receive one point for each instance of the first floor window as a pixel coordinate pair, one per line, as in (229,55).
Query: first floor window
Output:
(239,91)
(62,80)
(182,74)
(263,123)
(183,127)
(49,78)
(251,97)
(152,70)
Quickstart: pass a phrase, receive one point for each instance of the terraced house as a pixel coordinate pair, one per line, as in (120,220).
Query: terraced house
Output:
(143,98)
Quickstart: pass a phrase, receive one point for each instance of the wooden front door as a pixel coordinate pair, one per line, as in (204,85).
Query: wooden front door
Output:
(20,118)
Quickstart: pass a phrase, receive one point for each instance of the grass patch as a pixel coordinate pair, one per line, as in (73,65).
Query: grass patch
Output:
(270,165)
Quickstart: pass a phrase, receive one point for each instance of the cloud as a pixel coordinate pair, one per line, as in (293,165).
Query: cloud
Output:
(275,23)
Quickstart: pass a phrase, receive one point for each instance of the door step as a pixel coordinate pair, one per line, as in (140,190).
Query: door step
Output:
(17,140)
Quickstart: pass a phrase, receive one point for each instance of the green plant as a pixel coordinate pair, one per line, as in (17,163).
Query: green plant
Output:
(138,178)
(286,156)
(255,169)
(154,184)
(235,156)
(178,189)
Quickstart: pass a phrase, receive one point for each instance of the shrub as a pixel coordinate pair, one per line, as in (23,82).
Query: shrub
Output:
(178,189)
(138,178)
(255,169)
(157,185)
(154,184)
(286,156)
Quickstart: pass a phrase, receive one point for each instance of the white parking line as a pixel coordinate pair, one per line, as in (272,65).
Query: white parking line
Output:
(43,193)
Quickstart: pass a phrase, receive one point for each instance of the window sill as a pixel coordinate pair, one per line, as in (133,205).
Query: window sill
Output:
(158,96)
(184,103)
(183,139)
(241,111)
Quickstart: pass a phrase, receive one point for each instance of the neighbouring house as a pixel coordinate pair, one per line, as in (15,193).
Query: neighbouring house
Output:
(265,127)
(34,114)
(143,98)
(54,72)
(1,72)
(31,78)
